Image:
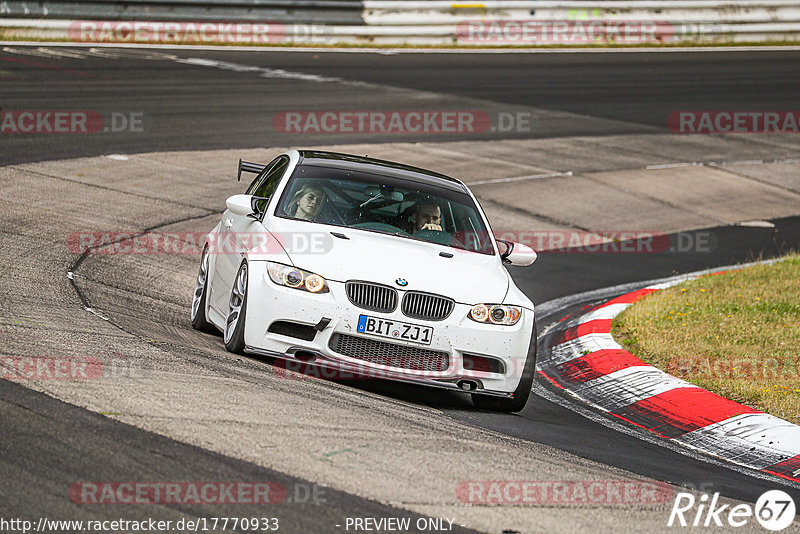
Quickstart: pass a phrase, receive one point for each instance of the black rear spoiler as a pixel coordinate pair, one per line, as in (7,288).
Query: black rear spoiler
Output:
(246,166)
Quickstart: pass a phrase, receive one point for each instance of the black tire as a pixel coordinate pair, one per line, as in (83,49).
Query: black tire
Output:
(233,336)
(519,398)
(198,312)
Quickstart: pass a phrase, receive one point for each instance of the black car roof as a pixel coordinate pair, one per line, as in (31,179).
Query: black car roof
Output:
(379,166)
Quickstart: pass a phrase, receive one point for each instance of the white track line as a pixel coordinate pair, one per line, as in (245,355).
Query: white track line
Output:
(521,178)
(660,166)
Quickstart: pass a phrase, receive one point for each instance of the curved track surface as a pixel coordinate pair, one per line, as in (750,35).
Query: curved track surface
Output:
(200,99)
(181,384)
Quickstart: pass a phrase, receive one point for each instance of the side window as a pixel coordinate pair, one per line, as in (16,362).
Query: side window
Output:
(269,182)
(259,176)
(253,184)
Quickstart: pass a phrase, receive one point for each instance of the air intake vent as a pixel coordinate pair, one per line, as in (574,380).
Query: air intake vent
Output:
(286,328)
(374,297)
(389,354)
(427,306)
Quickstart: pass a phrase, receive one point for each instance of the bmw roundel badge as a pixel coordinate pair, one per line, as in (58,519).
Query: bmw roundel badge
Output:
(402,282)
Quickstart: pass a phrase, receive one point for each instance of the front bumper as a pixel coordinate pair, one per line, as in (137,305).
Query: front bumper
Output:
(324,367)
(457,336)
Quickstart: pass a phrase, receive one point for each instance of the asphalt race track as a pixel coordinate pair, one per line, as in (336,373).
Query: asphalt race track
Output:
(192,417)
(81,442)
(195,107)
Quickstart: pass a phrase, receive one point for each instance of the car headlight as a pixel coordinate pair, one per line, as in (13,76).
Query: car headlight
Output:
(495,314)
(285,275)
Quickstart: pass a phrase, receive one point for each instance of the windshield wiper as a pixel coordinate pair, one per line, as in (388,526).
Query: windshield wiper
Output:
(398,233)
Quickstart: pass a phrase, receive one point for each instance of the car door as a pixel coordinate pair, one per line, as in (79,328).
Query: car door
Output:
(238,233)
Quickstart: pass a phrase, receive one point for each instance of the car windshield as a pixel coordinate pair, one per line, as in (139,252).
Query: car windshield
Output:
(371,202)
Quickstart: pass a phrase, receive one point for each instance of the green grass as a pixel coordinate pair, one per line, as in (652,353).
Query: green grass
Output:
(736,334)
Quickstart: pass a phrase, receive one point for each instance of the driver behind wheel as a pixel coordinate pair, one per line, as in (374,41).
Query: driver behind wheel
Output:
(426,215)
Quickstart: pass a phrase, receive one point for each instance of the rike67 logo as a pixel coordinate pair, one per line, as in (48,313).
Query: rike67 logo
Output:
(774,510)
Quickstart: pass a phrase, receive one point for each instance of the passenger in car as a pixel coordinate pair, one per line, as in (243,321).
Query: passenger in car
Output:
(306,203)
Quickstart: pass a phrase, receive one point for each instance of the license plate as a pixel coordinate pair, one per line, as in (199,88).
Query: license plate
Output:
(394,329)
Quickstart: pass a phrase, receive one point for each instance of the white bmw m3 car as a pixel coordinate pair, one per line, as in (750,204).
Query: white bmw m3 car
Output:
(370,268)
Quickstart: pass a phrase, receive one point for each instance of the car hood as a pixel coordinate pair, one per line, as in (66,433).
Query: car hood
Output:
(467,277)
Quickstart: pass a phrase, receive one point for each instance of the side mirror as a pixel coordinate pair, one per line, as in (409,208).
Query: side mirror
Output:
(516,253)
(240,204)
